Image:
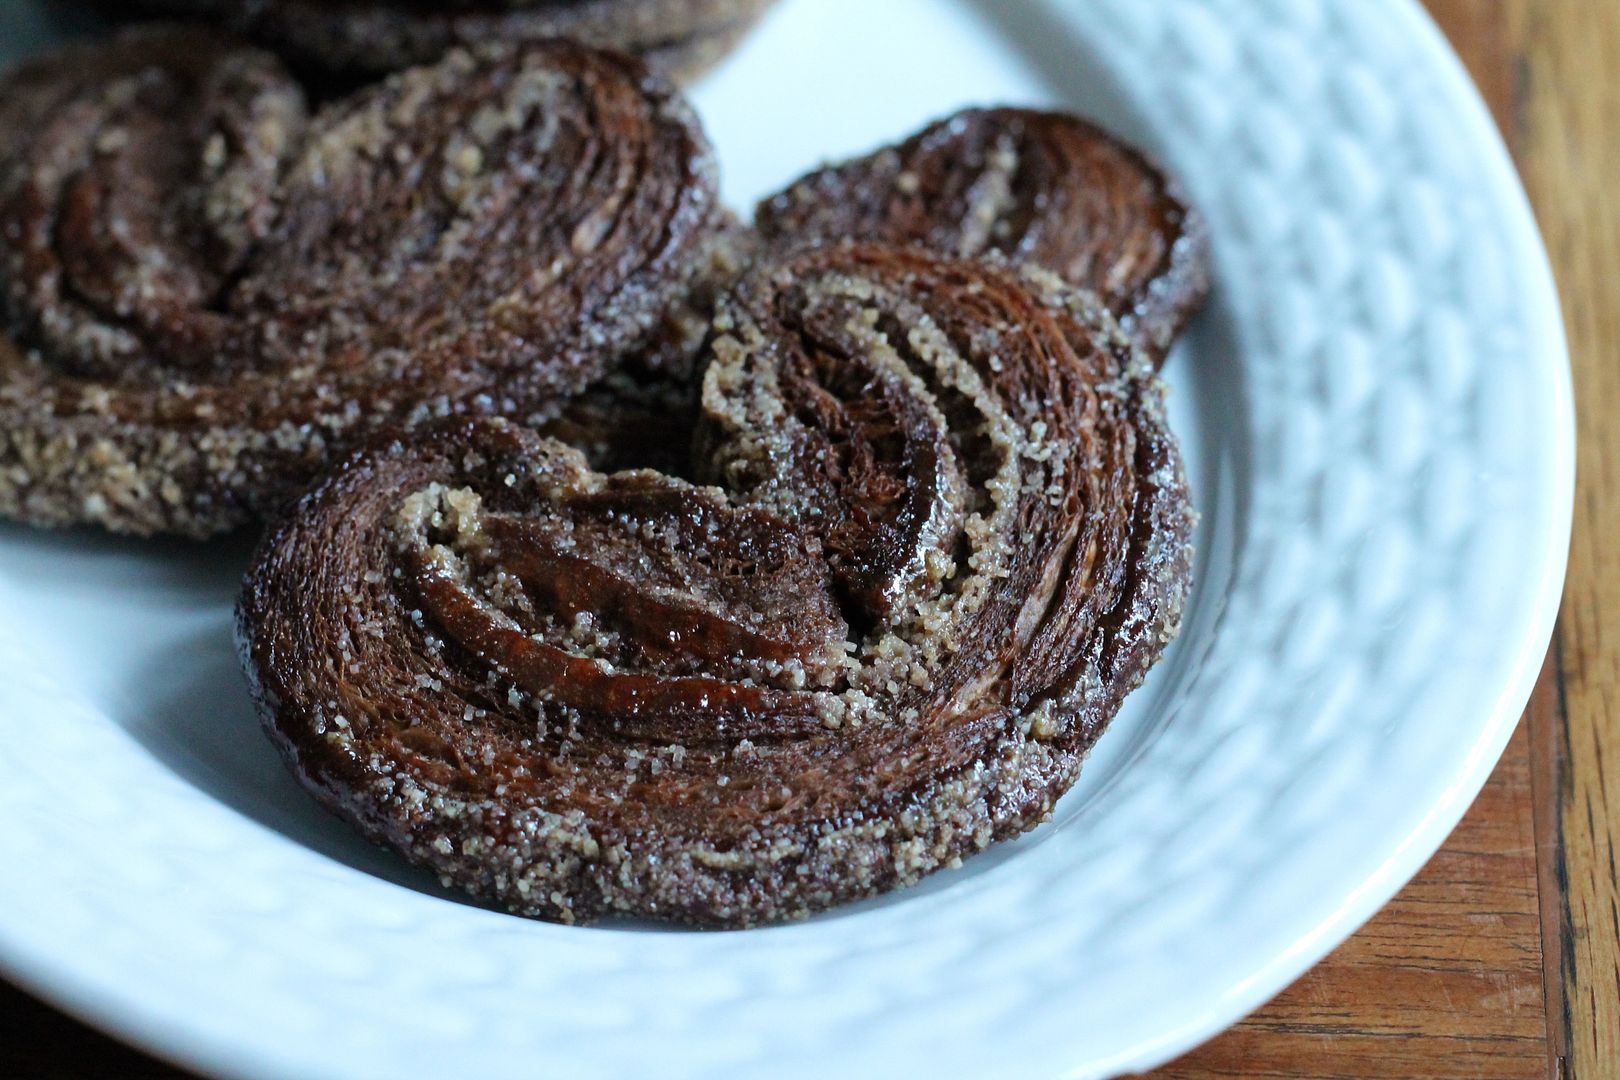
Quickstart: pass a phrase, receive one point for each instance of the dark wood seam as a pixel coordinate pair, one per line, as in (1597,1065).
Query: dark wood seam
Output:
(1551,793)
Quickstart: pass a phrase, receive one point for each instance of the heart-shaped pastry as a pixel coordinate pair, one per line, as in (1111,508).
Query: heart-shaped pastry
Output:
(1044,188)
(946,531)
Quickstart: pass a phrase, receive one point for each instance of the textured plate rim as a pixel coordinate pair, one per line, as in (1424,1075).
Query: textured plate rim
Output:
(1543,313)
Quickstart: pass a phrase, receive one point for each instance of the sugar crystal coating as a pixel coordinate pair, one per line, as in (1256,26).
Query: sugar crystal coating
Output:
(1046,188)
(213,293)
(941,532)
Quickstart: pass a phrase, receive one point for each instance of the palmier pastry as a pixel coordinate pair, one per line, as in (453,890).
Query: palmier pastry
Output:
(680,38)
(948,532)
(212,295)
(1042,187)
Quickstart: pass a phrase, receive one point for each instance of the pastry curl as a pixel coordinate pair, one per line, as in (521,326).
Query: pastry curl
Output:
(212,294)
(1040,187)
(1044,188)
(946,533)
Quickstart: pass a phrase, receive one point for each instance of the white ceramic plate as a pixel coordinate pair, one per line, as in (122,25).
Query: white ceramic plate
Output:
(1377,414)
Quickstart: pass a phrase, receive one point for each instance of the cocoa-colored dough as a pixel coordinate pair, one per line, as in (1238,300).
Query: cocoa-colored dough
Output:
(1042,187)
(212,294)
(948,532)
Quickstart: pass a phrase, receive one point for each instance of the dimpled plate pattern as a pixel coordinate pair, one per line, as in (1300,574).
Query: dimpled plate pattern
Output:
(1377,416)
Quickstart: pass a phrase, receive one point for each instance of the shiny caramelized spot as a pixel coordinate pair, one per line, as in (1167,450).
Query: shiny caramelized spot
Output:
(642,600)
(680,576)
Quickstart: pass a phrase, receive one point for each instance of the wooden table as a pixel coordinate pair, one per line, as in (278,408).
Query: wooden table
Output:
(1502,958)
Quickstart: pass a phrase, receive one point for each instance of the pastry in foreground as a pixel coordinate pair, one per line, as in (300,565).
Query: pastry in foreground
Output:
(679,38)
(211,293)
(948,533)
(1042,187)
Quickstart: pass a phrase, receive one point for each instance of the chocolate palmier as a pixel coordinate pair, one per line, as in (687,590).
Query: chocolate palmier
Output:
(944,532)
(679,38)
(212,293)
(1043,187)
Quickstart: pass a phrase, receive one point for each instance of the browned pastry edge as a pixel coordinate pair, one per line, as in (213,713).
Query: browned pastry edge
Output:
(888,642)
(211,296)
(1042,187)
(679,38)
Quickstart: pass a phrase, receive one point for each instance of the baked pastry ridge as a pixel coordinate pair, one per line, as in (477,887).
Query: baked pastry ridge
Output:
(1047,188)
(945,530)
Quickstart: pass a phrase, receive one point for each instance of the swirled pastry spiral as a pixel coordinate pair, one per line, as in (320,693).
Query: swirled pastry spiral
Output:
(212,293)
(679,38)
(1042,187)
(946,531)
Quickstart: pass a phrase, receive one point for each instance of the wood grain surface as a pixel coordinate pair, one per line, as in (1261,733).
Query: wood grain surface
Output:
(1502,958)
(1570,144)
